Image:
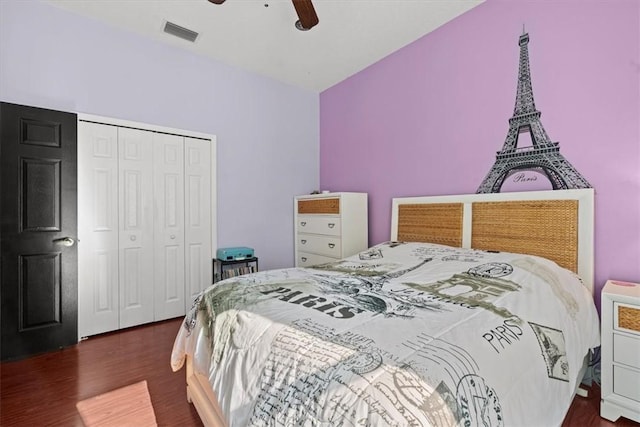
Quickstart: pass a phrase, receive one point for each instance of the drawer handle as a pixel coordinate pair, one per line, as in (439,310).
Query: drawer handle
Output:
(332,245)
(303,241)
(304,259)
(303,223)
(331,225)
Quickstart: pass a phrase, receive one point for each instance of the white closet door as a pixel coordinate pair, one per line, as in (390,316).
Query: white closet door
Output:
(97,228)
(168,166)
(198,276)
(136,226)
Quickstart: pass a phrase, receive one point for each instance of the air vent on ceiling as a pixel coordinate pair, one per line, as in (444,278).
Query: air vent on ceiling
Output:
(178,31)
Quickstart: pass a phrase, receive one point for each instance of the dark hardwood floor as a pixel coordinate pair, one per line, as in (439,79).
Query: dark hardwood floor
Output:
(43,390)
(585,411)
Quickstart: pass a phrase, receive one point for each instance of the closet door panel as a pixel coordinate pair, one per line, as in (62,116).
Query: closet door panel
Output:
(144,201)
(168,165)
(98,305)
(136,245)
(197,155)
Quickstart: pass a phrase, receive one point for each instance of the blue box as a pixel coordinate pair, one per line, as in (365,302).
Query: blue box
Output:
(234,254)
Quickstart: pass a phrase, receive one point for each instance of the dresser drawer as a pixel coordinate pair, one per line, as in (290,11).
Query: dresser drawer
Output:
(626,350)
(626,318)
(306,259)
(322,245)
(626,382)
(319,206)
(317,224)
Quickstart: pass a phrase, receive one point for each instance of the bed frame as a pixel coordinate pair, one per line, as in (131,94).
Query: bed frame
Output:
(205,401)
(556,224)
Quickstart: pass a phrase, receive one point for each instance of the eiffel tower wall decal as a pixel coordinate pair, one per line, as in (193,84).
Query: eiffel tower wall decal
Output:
(543,156)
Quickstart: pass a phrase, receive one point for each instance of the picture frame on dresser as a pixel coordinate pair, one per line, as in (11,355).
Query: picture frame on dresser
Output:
(620,351)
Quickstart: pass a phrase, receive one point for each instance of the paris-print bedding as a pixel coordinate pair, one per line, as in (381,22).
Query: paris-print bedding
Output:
(403,334)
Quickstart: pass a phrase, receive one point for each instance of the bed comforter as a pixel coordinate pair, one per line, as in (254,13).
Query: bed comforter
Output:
(403,334)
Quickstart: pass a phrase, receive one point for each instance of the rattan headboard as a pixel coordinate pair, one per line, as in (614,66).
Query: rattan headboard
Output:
(557,225)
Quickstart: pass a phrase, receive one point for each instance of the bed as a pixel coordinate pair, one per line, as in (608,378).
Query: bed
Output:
(478,311)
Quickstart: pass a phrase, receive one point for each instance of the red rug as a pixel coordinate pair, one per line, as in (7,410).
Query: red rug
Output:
(126,406)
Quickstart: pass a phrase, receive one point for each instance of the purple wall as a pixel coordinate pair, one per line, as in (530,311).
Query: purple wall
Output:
(428,119)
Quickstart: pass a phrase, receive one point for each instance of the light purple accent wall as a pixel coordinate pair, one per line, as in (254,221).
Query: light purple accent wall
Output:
(428,119)
(267,132)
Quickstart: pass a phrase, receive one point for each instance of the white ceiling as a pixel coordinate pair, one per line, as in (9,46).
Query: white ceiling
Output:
(259,35)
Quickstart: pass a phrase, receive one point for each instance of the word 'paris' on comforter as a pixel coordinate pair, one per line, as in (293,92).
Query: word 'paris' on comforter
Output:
(402,334)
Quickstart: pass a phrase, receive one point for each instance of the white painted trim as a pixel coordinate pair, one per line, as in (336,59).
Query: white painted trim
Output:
(214,199)
(585,198)
(144,126)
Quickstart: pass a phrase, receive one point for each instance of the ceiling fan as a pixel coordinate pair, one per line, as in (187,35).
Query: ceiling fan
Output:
(307,17)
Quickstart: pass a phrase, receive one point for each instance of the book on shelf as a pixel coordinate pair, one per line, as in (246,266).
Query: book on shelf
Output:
(233,272)
(225,269)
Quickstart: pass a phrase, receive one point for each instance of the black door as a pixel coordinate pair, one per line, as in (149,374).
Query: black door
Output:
(38,208)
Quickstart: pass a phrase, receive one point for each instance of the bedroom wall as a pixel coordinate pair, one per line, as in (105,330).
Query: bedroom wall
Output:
(267,132)
(428,119)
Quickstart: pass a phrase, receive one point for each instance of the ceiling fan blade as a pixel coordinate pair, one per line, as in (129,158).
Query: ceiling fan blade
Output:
(306,14)
(217,1)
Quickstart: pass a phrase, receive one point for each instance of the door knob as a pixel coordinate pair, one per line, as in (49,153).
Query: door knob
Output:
(64,241)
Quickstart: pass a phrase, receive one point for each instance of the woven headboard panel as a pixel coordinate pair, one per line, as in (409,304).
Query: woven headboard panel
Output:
(556,224)
(550,227)
(435,223)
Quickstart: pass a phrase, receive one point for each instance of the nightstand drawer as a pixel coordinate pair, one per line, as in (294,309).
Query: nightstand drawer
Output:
(620,363)
(626,350)
(626,318)
(319,225)
(322,245)
(626,382)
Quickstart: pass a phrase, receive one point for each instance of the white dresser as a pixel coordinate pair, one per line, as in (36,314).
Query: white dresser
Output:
(329,226)
(620,366)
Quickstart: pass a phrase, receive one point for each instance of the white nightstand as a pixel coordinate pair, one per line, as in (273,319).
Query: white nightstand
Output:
(620,365)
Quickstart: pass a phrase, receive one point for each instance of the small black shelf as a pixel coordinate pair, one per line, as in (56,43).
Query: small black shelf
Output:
(224,269)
